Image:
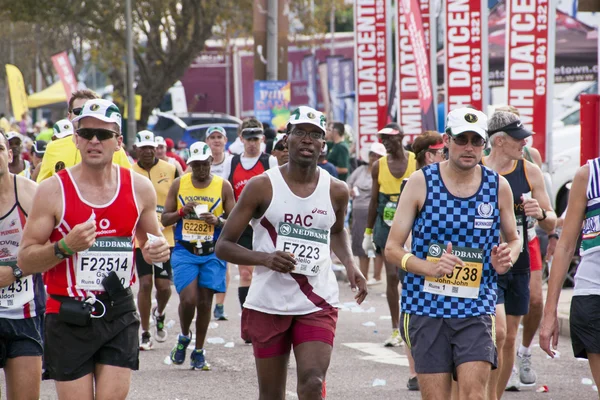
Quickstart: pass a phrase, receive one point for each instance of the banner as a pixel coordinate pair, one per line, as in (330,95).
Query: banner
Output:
(334,80)
(347,68)
(18,95)
(466,54)
(370,55)
(529,77)
(416,109)
(63,67)
(310,73)
(272,102)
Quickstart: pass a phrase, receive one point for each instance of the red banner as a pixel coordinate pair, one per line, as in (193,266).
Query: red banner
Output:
(465,46)
(415,93)
(62,65)
(370,69)
(527,72)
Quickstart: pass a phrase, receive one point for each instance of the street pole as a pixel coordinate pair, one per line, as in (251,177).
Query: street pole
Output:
(272,33)
(131,126)
(332,29)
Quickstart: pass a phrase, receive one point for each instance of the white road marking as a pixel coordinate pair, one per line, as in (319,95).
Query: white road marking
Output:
(377,353)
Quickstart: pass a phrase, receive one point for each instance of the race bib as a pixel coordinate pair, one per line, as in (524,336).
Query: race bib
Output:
(309,246)
(464,281)
(18,293)
(106,255)
(389,211)
(195,230)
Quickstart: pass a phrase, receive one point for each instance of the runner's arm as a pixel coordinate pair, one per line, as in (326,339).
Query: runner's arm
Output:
(373,204)
(539,193)
(146,199)
(228,198)
(170,215)
(508,223)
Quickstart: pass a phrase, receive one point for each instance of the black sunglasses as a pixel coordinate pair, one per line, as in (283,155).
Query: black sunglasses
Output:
(101,134)
(76,111)
(463,140)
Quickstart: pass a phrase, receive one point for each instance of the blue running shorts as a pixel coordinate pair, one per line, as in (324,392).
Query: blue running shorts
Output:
(209,270)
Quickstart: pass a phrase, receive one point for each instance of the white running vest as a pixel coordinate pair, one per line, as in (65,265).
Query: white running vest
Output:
(299,226)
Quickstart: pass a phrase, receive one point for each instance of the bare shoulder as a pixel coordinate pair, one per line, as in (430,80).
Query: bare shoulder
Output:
(583,172)
(26,186)
(257,184)
(141,184)
(338,190)
(533,171)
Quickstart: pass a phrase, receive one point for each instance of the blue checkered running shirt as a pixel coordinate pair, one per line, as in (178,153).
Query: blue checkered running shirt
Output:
(473,226)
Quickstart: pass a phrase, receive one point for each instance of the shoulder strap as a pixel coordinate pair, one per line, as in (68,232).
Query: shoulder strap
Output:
(16,191)
(264,160)
(235,161)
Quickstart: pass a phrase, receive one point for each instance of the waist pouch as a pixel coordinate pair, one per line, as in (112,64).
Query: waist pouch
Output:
(80,313)
(206,249)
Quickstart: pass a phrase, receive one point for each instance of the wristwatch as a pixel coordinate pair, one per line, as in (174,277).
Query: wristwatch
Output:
(553,235)
(17,272)
(58,253)
(543,215)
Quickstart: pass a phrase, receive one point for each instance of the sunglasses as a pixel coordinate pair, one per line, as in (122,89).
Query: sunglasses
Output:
(463,140)
(314,135)
(101,134)
(76,111)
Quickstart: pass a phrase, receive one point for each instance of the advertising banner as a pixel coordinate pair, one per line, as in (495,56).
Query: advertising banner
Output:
(347,68)
(416,102)
(371,69)
(529,76)
(272,102)
(466,54)
(18,95)
(63,67)
(310,74)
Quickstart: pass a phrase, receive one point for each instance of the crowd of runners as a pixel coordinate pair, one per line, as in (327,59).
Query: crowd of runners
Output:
(450,218)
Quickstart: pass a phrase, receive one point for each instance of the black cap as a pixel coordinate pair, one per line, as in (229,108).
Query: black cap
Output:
(39,147)
(249,133)
(515,130)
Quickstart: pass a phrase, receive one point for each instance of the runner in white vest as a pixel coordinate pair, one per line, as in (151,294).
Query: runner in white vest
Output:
(297,213)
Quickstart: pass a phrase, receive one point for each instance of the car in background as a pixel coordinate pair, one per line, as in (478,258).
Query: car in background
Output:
(565,100)
(191,127)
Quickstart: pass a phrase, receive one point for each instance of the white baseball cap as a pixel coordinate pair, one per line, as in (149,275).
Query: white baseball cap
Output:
(199,151)
(101,109)
(378,148)
(160,141)
(466,119)
(278,139)
(215,129)
(63,128)
(145,138)
(307,115)
(14,135)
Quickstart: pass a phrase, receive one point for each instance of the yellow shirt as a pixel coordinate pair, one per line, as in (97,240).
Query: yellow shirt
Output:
(63,153)
(162,174)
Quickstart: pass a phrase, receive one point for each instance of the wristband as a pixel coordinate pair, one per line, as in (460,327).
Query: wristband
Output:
(368,231)
(180,212)
(63,243)
(553,235)
(405,260)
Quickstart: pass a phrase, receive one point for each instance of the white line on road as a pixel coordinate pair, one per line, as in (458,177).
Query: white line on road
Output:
(378,353)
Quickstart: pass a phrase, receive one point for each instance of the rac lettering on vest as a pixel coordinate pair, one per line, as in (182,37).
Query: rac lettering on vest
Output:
(298,219)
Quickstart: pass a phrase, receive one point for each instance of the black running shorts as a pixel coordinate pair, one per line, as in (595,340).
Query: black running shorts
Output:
(584,322)
(143,268)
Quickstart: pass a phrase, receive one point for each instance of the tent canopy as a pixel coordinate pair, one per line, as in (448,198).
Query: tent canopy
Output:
(51,95)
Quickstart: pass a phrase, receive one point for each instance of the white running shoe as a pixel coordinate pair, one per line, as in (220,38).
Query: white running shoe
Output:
(395,340)
(527,375)
(513,385)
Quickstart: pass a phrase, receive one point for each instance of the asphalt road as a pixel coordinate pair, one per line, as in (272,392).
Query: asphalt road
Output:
(359,361)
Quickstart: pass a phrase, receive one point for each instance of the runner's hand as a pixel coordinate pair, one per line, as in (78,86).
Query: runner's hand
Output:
(367,243)
(532,208)
(549,333)
(6,275)
(501,260)
(281,261)
(357,280)
(156,251)
(209,218)
(446,264)
(82,236)
(189,207)
(552,241)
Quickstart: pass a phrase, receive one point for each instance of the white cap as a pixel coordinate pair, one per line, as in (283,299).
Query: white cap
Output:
(324,150)
(160,141)
(14,135)
(308,115)
(215,129)
(199,151)
(466,119)
(145,138)
(101,109)
(378,148)
(278,139)
(63,128)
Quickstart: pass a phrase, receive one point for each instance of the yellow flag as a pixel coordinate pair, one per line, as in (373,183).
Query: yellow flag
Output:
(138,108)
(18,96)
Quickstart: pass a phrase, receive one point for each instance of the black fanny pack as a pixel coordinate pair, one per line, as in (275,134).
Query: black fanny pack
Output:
(206,248)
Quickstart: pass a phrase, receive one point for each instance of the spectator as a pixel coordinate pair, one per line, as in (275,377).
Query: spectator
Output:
(46,134)
(339,154)
(170,153)
(360,183)
(326,165)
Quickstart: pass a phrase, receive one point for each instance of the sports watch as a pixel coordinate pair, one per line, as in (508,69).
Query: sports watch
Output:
(58,253)
(17,272)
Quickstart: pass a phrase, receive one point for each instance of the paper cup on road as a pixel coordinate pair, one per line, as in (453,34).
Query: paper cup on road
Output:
(201,209)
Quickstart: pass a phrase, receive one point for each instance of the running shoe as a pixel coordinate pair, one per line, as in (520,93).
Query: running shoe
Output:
(159,321)
(146,342)
(219,312)
(413,384)
(373,282)
(527,375)
(513,385)
(178,352)
(395,340)
(198,362)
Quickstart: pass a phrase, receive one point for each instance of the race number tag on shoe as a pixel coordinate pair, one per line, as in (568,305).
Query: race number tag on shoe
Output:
(464,281)
(106,255)
(18,293)
(309,246)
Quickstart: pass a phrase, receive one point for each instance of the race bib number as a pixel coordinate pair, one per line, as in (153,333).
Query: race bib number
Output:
(389,211)
(18,293)
(464,281)
(195,230)
(106,255)
(309,246)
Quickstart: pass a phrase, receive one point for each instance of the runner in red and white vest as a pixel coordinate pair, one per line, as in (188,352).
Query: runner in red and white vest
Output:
(83,240)
(297,212)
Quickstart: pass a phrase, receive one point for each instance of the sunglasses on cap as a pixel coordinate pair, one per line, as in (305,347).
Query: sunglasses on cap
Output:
(463,140)
(101,134)
(76,111)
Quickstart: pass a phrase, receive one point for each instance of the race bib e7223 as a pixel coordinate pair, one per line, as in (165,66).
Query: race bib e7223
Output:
(309,246)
